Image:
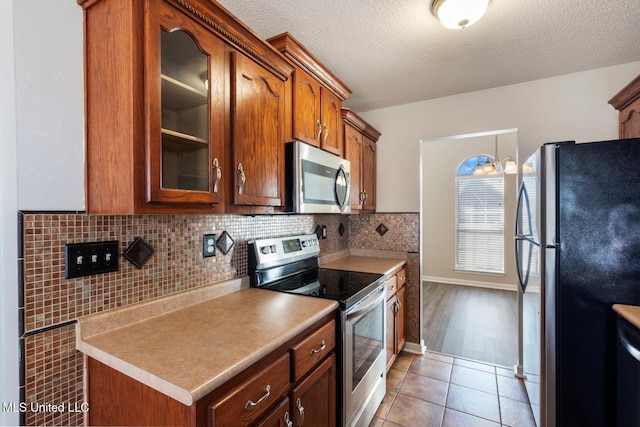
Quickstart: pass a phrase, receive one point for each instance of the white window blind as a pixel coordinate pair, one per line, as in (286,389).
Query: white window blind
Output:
(480,223)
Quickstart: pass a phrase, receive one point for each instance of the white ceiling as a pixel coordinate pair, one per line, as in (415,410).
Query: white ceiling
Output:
(392,52)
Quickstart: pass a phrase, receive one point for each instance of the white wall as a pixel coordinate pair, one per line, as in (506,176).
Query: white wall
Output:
(50,105)
(571,107)
(440,161)
(9,382)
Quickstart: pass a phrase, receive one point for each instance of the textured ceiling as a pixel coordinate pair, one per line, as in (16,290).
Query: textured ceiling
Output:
(392,52)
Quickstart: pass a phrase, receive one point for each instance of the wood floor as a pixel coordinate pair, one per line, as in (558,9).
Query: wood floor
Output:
(475,323)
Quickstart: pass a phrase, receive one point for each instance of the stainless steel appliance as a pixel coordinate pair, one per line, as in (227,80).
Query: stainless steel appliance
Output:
(316,181)
(578,252)
(628,369)
(290,264)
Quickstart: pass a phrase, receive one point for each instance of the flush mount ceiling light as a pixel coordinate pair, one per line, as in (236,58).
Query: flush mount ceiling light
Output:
(457,14)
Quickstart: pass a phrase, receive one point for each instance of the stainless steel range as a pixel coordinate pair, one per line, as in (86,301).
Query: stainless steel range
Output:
(290,264)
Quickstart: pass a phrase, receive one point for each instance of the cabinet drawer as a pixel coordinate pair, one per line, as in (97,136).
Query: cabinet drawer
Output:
(392,286)
(402,277)
(251,399)
(308,352)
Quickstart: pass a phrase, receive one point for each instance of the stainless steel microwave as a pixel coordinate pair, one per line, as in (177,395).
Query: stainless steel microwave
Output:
(316,181)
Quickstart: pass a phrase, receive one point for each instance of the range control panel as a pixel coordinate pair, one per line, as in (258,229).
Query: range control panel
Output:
(283,250)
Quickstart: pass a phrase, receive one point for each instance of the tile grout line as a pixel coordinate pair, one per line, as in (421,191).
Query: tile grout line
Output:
(498,394)
(446,400)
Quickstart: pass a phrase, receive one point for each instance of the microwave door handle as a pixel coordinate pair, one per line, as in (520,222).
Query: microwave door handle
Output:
(342,174)
(347,195)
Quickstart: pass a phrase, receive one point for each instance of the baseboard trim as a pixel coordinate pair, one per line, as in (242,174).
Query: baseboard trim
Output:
(415,348)
(473,283)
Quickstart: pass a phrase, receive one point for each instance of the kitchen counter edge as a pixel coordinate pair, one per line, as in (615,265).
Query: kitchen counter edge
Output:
(630,313)
(367,261)
(98,344)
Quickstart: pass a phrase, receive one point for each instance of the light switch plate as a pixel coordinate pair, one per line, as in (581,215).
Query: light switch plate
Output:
(85,259)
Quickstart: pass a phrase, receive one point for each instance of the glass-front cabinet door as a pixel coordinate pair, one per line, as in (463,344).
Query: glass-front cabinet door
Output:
(185,86)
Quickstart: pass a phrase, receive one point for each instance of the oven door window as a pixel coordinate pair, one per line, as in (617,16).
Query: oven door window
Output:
(368,342)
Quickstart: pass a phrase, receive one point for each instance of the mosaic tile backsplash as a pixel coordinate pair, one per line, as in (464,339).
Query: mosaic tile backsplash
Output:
(52,368)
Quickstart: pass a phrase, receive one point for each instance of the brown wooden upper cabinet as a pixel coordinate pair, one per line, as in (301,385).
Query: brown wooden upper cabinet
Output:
(360,150)
(160,94)
(186,109)
(317,96)
(258,137)
(627,102)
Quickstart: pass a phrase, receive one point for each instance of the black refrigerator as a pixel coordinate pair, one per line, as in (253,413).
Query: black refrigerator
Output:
(577,243)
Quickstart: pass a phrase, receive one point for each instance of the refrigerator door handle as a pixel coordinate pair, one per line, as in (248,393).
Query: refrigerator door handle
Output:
(523,277)
(633,351)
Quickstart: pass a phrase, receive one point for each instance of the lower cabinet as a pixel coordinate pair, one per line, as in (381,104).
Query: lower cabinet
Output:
(292,386)
(248,401)
(302,381)
(396,335)
(313,401)
(280,416)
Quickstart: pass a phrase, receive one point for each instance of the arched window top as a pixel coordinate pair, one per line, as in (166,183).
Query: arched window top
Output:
(487,166)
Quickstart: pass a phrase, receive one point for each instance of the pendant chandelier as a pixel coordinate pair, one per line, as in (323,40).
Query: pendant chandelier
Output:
(507,165)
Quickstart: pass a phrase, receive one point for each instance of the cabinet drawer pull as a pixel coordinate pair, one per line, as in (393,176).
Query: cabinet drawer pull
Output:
(251,405)
(322,347)
(243,179)
(216,166)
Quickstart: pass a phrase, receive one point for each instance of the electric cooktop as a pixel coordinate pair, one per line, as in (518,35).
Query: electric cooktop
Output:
(346,287)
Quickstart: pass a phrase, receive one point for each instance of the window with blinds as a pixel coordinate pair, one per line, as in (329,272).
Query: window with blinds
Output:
(480,223)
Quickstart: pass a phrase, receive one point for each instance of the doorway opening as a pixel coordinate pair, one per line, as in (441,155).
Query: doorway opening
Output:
(470,295)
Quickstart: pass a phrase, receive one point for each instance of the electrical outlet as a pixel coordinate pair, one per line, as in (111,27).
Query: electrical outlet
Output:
(85,259)
(208,245)
(324,231)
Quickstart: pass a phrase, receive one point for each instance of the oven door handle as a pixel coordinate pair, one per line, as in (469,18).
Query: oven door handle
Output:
(377,297)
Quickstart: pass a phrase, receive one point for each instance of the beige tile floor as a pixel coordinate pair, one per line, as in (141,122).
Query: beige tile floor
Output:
(443,391)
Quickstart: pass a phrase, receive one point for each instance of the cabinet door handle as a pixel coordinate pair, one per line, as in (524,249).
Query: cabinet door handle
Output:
(250,405)
(326,132)
(300,411)
(319,129)
(287,421)
(399,305)
(364,199)
(243,179)
(216,166)
(318,350)
(362,196)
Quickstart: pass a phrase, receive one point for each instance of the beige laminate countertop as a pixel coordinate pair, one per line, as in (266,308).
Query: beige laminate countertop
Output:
(190,351)
(631,313)
(366,264)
